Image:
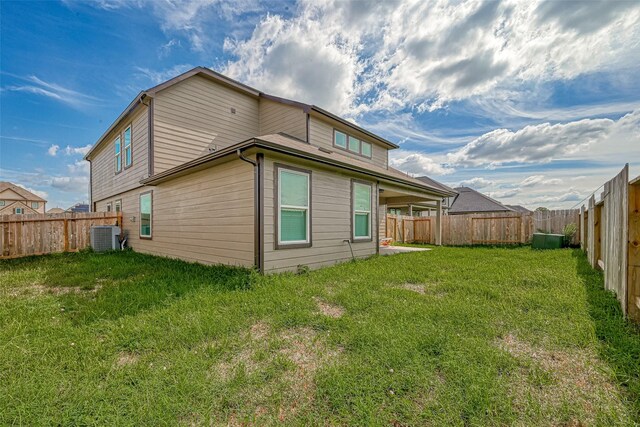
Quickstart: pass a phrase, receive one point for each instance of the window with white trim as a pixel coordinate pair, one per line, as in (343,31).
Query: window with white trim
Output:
(118,154)
(146,214)
(35,205)
(127,147)
(361,211)
(109,207)
(293,207)
(118,205)
(18,211)
(352,144)
(2,202)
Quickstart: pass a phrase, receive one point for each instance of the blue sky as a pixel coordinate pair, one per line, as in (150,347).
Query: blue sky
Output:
(533,103)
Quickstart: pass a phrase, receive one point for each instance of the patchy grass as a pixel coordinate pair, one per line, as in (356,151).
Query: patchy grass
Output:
(453,336)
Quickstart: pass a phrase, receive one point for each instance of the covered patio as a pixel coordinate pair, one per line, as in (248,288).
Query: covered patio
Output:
(393,196)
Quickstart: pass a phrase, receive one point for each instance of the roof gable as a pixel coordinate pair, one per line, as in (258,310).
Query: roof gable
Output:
(470,200)
(10,190)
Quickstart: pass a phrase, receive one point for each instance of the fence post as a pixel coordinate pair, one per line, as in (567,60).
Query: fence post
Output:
(438,222)
(66,235)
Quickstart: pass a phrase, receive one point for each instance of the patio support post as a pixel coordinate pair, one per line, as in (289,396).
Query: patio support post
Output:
(410,210)
(438,227)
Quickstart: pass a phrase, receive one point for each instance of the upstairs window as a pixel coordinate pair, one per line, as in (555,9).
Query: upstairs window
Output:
(35,205)
(118,152)
(365,149)
(294,196)
(127,147)
(18,211)
(361,221)
(109,207)
(118,205)
(2,202)
(352,144)
(340,139)
(146,215)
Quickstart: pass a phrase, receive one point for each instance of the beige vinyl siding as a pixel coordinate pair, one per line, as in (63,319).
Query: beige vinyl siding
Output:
(330,220)
(206,216)
(276,117)
(105,182)
(321,135)
(194,114)
(10,197)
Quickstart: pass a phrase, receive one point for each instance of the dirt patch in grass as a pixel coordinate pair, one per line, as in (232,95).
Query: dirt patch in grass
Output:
(329,310)
(548,380)
(38,290)
(304,349)
(126,359)
(414,288)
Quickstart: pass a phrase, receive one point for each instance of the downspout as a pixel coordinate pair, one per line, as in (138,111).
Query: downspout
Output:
(258,166)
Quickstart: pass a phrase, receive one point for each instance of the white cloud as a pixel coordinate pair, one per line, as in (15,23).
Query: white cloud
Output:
(69,150)
(387,56)
(504,194)
(54,91)
(73,184)
(539,180)
(477,182)
(53,150)
(545,142)
(572,195)
(157,77)
(417,164)
(79,167)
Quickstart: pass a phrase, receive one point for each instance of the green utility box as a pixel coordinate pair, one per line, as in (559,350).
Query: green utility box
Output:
(547,241)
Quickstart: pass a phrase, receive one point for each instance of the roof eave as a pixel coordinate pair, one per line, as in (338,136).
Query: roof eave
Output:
(256,142)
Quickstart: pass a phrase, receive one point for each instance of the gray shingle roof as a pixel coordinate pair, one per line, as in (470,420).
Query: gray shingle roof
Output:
(519,208)
(469,200)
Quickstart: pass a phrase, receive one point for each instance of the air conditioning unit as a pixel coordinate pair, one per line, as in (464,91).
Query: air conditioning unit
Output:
(105,238)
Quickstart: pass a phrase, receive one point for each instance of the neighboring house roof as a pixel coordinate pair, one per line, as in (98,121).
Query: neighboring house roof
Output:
(55,210)
(289,145)
(28,195)
(208,73)
(519,208)
(469,200)
(79,207)
(436,184)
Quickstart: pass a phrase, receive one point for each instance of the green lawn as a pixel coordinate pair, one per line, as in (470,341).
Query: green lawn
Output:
(453,336)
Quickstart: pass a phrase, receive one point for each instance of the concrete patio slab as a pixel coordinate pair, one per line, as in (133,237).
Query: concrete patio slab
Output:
(393,250)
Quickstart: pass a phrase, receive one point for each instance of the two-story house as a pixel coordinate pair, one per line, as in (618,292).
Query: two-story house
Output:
(16,200)
(207,169)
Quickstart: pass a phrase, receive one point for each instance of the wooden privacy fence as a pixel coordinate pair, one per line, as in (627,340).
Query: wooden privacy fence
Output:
(480,229)
(24,235)
(610,228)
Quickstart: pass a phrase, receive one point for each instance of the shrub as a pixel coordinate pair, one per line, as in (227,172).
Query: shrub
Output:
(569,231)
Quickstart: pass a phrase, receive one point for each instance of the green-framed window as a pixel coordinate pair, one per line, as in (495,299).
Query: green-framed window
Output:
(118,154)
(340,139)
(294,201)
(127,147)
(146,214)
(361,211)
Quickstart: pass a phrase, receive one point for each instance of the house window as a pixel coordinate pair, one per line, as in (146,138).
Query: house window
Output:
(117,153)
(351,143)
(146,207)
(2,202)
(365,148)
(294,195)
(127,147)
(35,205)
(118,205)
(18,211)
(361,199)
(354,144)
(340,139)
(109,207)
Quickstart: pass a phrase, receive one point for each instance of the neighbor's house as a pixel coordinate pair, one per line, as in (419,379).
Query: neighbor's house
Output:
(16,200)
(519,208)
(208,169)
(470,201)
(56,211)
